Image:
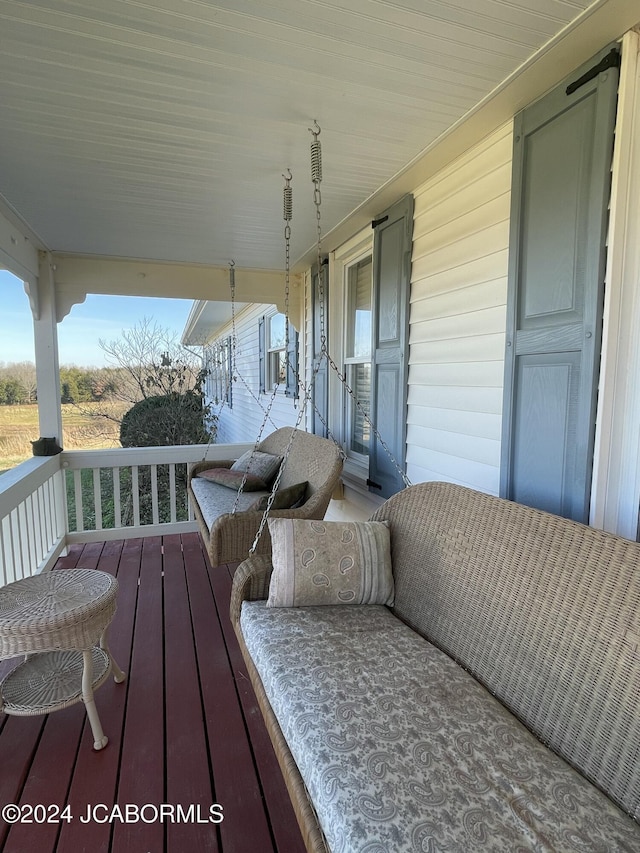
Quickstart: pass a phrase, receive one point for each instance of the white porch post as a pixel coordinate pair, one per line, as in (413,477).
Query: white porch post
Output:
(45,329)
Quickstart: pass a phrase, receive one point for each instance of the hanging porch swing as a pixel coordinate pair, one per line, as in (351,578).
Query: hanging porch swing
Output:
(235,525)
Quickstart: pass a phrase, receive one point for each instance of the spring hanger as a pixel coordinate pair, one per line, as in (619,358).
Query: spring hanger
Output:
(288,198)
(316,155)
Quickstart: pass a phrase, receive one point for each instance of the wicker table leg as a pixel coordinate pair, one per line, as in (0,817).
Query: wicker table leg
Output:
(118,674)
(100,740)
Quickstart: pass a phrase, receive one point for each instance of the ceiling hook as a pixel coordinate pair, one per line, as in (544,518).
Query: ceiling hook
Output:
(316,133)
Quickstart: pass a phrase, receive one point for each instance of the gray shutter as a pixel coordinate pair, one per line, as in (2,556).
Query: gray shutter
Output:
(561,181)
(262,353)
(291,389)
(392,243)
(320,388)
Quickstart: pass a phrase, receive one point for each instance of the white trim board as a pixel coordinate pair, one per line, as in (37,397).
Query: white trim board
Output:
(615,494)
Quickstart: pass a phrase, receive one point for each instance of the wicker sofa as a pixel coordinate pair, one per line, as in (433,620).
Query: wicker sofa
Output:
(494,707)
(229,535)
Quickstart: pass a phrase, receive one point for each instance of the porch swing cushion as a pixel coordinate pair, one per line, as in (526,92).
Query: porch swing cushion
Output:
(215,500)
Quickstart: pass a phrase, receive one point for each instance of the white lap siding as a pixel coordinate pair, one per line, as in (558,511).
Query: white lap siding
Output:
(458,318)
(242,421)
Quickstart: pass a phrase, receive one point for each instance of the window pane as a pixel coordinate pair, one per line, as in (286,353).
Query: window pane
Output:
(277,368)
(277,331)
(360,429)
(359,343)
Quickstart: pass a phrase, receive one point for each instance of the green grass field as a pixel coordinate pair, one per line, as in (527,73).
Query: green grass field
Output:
(81,430)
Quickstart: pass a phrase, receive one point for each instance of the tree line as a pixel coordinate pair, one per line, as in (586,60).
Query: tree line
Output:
(18,383)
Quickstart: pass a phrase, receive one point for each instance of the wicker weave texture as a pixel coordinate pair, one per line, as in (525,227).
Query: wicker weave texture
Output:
(312,459)
(64,609)
(51,681)
(544,611)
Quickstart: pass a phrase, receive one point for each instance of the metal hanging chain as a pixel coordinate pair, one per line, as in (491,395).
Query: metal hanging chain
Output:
(287,210)
(285,457)
(343,379)
(232,288)
(287,215)
(316,177)
(234,337)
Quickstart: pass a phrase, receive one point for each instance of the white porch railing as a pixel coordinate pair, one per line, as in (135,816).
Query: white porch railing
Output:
(94,495)
(33,522)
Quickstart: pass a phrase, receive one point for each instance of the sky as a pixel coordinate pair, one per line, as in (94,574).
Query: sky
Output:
(78,335)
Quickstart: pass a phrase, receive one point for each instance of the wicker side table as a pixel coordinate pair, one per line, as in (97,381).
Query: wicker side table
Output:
(59,620)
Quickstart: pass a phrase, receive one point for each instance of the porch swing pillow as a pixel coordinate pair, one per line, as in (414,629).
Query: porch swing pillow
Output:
(233,479)
(259,464)
(330,562)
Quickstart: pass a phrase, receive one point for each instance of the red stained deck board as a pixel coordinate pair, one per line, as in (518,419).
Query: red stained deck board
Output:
(245,828)
(96,773)
(281,814)
(18,743)
(48,781)
(187,764)
(167,634)
(70,560)
(142,762)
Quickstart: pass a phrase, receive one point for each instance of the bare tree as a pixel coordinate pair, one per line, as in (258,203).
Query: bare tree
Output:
(153,360)
(24,373)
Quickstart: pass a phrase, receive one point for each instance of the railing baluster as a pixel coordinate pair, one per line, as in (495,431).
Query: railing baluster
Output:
(117,511)
(4,556)
(32,529)
(172,491)
(154,494)
(77,491)
(136,495)
(13,545)
(97,499)
(23,539)
(60,503)
(46,532)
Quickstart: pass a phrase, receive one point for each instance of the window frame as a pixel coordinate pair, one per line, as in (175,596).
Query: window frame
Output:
(219,379)
(356,250)
(351,362)
(390,241)
(275,357)
(289,385)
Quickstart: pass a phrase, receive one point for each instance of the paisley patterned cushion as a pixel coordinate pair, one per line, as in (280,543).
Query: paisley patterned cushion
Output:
(329,562)
(402,751)
(263,465)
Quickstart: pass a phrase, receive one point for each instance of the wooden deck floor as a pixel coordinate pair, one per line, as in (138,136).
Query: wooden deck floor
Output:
(184,728)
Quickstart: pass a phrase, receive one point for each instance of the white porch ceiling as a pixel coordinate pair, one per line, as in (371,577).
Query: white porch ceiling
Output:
(160,129)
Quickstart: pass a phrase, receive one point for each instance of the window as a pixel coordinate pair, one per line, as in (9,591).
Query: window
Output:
(358,355)
(272,346)
(276,350)
(219,378)
(372,314)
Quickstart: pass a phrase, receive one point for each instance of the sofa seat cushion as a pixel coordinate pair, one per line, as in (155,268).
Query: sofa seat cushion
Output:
(214,499)
(402,750)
